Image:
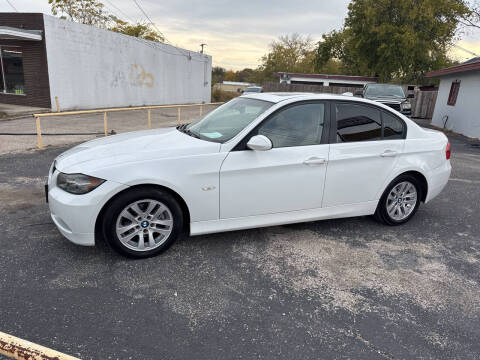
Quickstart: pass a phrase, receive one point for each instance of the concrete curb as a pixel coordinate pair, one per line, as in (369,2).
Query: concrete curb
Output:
(17,348)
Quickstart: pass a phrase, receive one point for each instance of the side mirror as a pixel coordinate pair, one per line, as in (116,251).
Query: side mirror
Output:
(410,96)
(358,93)
(259,143)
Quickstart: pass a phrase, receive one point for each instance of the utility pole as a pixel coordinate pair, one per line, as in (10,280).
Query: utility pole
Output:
(202,45)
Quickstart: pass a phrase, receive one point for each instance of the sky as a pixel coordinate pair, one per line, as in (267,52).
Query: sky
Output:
(237,33)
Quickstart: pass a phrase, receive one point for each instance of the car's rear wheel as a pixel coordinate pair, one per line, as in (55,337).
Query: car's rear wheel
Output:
(143,222)
(400,201)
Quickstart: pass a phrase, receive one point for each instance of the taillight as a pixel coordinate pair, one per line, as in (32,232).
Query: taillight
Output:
(448,151)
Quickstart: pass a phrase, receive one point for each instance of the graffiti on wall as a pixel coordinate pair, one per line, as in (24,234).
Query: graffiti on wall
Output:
(139,77)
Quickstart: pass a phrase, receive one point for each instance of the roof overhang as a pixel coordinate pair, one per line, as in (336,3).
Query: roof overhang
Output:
(327,77)
(11,33)
(454,70)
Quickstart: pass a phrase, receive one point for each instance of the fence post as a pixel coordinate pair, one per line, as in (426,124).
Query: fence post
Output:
(201,109)
(39,133)
(149,118)
(58,103)
(178,113)
(105,126)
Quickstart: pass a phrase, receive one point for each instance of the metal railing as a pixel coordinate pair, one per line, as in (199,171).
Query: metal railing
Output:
(111,110)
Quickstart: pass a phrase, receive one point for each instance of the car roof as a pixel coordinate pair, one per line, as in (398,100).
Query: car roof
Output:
(279,97)
(276,97)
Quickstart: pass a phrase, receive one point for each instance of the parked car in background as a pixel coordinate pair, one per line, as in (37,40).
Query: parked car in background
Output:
(388,94)
(258,160)
(253,89)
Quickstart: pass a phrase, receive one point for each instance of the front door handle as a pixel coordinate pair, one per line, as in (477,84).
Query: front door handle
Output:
(315,161)
(388,153)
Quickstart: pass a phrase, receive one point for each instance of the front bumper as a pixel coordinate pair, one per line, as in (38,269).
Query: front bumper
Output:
(75,215)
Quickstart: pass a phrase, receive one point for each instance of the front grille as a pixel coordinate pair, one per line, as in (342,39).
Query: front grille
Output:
(394,106)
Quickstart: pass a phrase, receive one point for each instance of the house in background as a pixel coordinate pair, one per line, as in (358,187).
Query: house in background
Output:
(232,86)
(43,57)
(325,80)
(458,102)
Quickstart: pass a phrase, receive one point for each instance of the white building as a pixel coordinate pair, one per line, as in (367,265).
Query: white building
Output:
(44,57)
(325,80)
(458,102)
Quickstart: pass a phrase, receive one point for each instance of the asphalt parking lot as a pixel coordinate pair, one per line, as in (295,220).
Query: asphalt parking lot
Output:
(339,289)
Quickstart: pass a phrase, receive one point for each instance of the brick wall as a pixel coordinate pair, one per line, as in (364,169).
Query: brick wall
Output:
(37,90)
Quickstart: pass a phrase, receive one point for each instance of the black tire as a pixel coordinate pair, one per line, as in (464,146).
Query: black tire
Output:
(382,215)
(137,194)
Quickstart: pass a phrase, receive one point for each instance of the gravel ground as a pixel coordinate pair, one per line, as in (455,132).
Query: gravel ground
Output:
(339,289)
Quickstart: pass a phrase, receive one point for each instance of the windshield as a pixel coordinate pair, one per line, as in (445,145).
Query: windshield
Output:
(228,120)
(378,90)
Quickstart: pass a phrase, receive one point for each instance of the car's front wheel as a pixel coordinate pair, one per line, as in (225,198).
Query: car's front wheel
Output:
(143,222)
(400,201)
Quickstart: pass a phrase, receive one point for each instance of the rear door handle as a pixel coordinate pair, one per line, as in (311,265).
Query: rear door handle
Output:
(388,153)
(315,161)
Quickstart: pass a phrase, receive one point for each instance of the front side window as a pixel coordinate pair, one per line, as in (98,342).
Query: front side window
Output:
(226,121)
(357,123)
(298,125)
(12,77)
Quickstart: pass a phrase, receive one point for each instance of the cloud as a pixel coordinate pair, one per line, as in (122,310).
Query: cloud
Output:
(237,33)
(461,55)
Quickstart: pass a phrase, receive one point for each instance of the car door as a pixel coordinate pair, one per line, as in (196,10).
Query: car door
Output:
(365,143)
(288,177)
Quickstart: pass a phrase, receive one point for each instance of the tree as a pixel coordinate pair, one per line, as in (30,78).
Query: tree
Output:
(140,30)
(90,12)
(218,75)
(394,39)
(473,18)
(230,75)
(290,53)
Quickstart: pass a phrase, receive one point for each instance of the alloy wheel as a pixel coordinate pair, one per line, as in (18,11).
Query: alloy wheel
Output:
(401,200)
(144,225)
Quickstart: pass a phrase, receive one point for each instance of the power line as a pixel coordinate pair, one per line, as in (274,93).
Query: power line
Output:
(183,53)
(120,11)
(13,7)
(150,20)
(462,48)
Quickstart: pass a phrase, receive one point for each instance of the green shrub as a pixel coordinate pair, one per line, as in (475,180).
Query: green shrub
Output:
(222,96)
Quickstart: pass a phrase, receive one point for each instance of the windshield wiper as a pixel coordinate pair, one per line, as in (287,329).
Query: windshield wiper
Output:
(183,128)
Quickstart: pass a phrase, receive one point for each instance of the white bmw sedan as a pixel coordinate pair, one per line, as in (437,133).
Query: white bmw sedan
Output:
(258,160)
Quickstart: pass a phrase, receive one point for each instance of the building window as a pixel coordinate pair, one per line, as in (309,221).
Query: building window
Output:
(11,61)
(452,97)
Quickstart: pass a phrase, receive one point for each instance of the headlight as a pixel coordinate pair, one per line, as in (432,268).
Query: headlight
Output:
(78,183)
(406,106)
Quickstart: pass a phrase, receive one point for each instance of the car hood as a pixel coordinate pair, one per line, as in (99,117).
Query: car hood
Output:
(131,147)
(387,100)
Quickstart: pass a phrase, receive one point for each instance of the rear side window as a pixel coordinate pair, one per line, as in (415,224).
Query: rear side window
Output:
(357,122)
(392,127)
